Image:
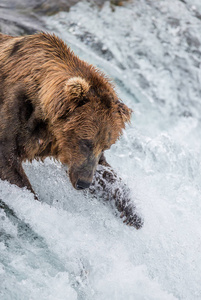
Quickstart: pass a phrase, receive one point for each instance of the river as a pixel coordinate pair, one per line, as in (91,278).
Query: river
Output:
(72,246)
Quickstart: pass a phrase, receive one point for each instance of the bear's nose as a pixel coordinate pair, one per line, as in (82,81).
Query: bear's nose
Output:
(81,185)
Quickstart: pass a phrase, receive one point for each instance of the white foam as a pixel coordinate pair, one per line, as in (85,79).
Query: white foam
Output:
(75,247)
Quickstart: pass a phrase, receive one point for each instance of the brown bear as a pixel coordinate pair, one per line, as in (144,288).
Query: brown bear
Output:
(54,104)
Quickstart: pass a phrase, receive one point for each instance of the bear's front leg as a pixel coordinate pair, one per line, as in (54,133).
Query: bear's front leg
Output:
(12,171)
(109,186)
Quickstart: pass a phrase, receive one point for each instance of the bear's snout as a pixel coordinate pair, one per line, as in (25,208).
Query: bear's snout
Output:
(81,176)
(81,185)
(79,180)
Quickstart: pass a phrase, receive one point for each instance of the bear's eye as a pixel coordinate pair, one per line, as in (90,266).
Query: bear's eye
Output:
(86,145)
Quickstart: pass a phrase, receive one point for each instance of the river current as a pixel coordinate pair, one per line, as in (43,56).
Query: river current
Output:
(72,246)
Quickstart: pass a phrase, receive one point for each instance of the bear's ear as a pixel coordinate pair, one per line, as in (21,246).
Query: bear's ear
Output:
(125,112)
(76,88)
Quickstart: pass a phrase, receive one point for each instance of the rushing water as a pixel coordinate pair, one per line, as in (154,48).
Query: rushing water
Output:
(71,246)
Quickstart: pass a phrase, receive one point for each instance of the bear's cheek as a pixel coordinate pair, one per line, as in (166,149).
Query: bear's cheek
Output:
(68,152)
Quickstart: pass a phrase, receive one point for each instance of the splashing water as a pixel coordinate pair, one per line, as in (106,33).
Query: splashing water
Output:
(72,245)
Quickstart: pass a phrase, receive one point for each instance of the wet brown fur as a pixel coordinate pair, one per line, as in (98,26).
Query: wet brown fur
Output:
(53,104)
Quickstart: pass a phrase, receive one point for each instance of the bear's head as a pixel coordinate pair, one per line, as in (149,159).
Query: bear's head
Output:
(88,119)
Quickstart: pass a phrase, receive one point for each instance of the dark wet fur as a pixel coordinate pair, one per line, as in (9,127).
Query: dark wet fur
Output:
(108,186)
(54,104)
